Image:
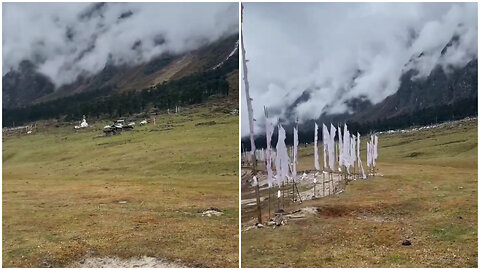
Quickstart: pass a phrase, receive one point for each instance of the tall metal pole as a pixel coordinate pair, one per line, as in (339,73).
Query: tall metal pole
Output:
(250,122)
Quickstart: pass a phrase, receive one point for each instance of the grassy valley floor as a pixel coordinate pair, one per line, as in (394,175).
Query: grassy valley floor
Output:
(426,192)
(69,195)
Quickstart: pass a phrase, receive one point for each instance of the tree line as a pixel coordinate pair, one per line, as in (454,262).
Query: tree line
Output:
(106,102)
(427,116)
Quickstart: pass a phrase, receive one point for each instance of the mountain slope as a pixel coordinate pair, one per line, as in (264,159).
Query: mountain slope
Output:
(439,88)
(439,97)
(213,74)
(23,85)
(161,69)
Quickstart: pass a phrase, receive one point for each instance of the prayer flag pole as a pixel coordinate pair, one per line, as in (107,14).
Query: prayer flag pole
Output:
(250,122)
(316,163)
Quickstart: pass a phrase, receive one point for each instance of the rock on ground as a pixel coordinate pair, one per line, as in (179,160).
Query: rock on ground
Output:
(212,211)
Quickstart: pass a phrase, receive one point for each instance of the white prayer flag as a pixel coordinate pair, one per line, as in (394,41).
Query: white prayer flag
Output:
(315,149)
(295,152)
(346,148)
(282,160)
(358,156)
(331,148)
(340,148)
(368,155)
(326,140)
(269,133)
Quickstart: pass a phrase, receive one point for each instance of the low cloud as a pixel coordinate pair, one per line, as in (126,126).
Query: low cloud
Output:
(339,51)
(66,40)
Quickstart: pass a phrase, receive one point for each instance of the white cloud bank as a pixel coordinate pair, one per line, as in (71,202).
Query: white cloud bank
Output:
(69,39)
(341,51)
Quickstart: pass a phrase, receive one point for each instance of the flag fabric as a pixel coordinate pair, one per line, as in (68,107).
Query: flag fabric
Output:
(368,155)
(340,149)
(346,148)
(269,133)
(315,149)
(295,152)
(354,149)
(282,160)
(331,148)
(358,146)
(353,156)
(372,153)
(358,156)
(260,154)
(326,140)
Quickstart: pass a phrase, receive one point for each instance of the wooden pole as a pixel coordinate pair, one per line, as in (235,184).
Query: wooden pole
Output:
(269,191)
(250,121)
(257,193)
(323,165)
(268,160)
(278,198)
(293,190)
(331,183)
(298,192)
(323,180)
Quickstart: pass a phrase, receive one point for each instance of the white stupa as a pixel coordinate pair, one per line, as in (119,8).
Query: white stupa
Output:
(84,123)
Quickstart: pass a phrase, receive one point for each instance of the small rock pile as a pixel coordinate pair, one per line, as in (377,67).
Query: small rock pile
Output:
(279,219)
(212,211)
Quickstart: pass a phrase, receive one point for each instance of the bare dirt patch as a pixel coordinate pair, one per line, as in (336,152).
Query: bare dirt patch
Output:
(143,262)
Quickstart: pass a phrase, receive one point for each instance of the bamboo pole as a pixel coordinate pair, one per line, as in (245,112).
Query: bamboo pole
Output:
(293,190)
(278,197)
(250,120)
(269,191)
(298,193)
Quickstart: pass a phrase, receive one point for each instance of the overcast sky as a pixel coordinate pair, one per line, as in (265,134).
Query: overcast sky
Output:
(68,39)
(340,51)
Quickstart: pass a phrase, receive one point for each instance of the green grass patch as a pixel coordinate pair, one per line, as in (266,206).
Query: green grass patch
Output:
(62,191)
(426,192)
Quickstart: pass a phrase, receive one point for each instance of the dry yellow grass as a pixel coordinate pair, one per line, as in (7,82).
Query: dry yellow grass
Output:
(67,194)
(427,194)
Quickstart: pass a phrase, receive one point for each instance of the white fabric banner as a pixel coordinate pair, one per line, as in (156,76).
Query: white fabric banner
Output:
(326,141)
(331,148)
(340,149)
(269,133)
(315,149)
(282,160)
(358,156)
(295,152)
(346,148)
(368,155)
